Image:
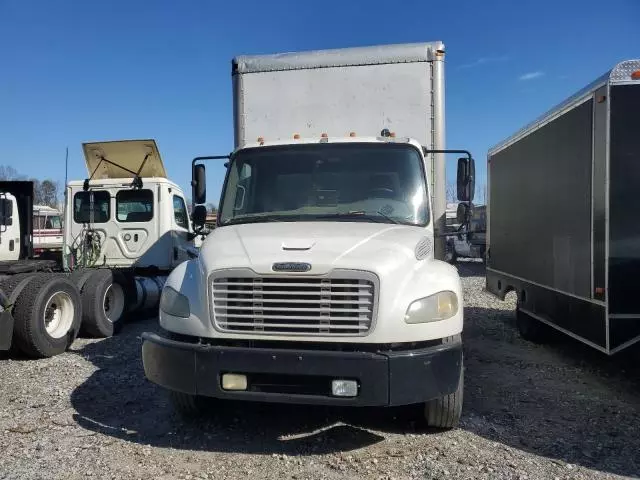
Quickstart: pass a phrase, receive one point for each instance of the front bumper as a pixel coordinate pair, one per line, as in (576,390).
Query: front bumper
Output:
(304,376)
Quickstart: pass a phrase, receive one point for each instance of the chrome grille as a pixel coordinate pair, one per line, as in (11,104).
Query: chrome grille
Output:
(293,305)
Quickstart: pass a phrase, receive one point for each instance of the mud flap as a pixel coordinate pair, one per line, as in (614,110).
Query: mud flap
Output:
(6,330)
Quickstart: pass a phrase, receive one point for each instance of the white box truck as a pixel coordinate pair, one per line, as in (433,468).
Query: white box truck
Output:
(323,282)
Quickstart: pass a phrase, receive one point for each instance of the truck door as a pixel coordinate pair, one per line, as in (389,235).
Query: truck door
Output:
(9,229)
(180,230)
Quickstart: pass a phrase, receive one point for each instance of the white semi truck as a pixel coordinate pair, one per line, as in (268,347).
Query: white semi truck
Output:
(126,226)
(323,282)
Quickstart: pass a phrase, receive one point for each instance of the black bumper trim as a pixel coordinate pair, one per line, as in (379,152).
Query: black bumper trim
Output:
(384,379)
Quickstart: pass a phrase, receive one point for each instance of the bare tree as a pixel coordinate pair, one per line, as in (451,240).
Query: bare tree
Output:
(37,192)
(482,194)
(451,192)
(7,172)
(49,193)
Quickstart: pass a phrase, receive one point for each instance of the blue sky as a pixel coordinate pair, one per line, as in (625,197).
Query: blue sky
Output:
(74,71)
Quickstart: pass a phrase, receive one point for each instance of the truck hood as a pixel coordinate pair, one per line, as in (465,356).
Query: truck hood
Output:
(123,158)
(325,246)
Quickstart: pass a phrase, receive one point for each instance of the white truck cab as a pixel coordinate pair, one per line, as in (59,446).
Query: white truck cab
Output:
(137,217)
(321,283)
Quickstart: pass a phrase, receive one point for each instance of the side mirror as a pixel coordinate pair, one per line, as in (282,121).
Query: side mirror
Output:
(199,215)
(466,179)
(463,213)
(199,184)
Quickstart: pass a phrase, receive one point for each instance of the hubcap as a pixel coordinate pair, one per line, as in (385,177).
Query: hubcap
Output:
(58,314)
(113,303)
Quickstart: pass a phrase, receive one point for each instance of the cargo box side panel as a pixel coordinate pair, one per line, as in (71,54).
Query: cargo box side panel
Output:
(624,217)
(277,104)
(540,195)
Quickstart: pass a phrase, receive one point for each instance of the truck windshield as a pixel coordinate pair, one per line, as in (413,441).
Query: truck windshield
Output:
(374,182)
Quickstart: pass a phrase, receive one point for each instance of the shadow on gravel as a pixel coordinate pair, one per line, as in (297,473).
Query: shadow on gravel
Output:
(564,400)
(118,401)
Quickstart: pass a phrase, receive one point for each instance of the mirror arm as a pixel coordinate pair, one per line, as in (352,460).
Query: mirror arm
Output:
(462,152)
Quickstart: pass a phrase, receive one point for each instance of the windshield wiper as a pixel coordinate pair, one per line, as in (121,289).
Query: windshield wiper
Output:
(352,214)
(363,215)
(395,220)
(254,219)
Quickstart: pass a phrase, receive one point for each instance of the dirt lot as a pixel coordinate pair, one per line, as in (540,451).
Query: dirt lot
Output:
(555,411)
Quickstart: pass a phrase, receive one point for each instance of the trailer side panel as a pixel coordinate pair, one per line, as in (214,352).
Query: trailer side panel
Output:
(624,204)
(541,205)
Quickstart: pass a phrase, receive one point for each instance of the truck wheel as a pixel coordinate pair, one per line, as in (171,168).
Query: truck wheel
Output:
(445,412)
(189,406)
(80,277)
(47,316)
(450,255)
(103,304)
(531,329)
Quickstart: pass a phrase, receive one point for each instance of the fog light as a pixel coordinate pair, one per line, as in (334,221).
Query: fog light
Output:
(344,388)
(234,381)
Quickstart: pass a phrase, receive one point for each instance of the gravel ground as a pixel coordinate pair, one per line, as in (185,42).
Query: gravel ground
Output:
(556,411)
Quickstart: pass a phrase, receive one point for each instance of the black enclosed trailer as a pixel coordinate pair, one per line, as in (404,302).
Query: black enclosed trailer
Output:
(563,216)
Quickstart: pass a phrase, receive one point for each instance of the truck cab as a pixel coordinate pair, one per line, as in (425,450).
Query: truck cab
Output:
(9,228)
(127,214)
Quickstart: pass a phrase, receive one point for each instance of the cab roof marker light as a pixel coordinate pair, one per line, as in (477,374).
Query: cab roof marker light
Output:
(324,135)
(635,75)
(296,136)
(261,140)
(352,134)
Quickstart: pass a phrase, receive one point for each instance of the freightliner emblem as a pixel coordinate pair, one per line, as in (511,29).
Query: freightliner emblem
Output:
(291,267)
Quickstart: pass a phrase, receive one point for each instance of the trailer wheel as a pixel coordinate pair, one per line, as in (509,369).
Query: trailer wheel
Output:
(103,303)
(188,406)
(531,329)
(47,316)
(445,412)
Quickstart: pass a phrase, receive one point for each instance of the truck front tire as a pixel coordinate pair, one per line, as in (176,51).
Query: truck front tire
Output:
(188,406)
(445,412)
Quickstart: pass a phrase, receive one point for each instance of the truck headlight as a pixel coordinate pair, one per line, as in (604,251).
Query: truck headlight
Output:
(434,308)
(174,303)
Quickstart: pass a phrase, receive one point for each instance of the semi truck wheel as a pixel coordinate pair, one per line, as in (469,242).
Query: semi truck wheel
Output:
(47,316)
(103,302)
(531,329)
(80,277)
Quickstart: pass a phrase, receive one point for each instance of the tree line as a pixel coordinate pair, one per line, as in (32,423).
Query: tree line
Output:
(45,192)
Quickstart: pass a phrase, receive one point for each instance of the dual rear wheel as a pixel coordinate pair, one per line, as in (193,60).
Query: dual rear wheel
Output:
(50,309)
